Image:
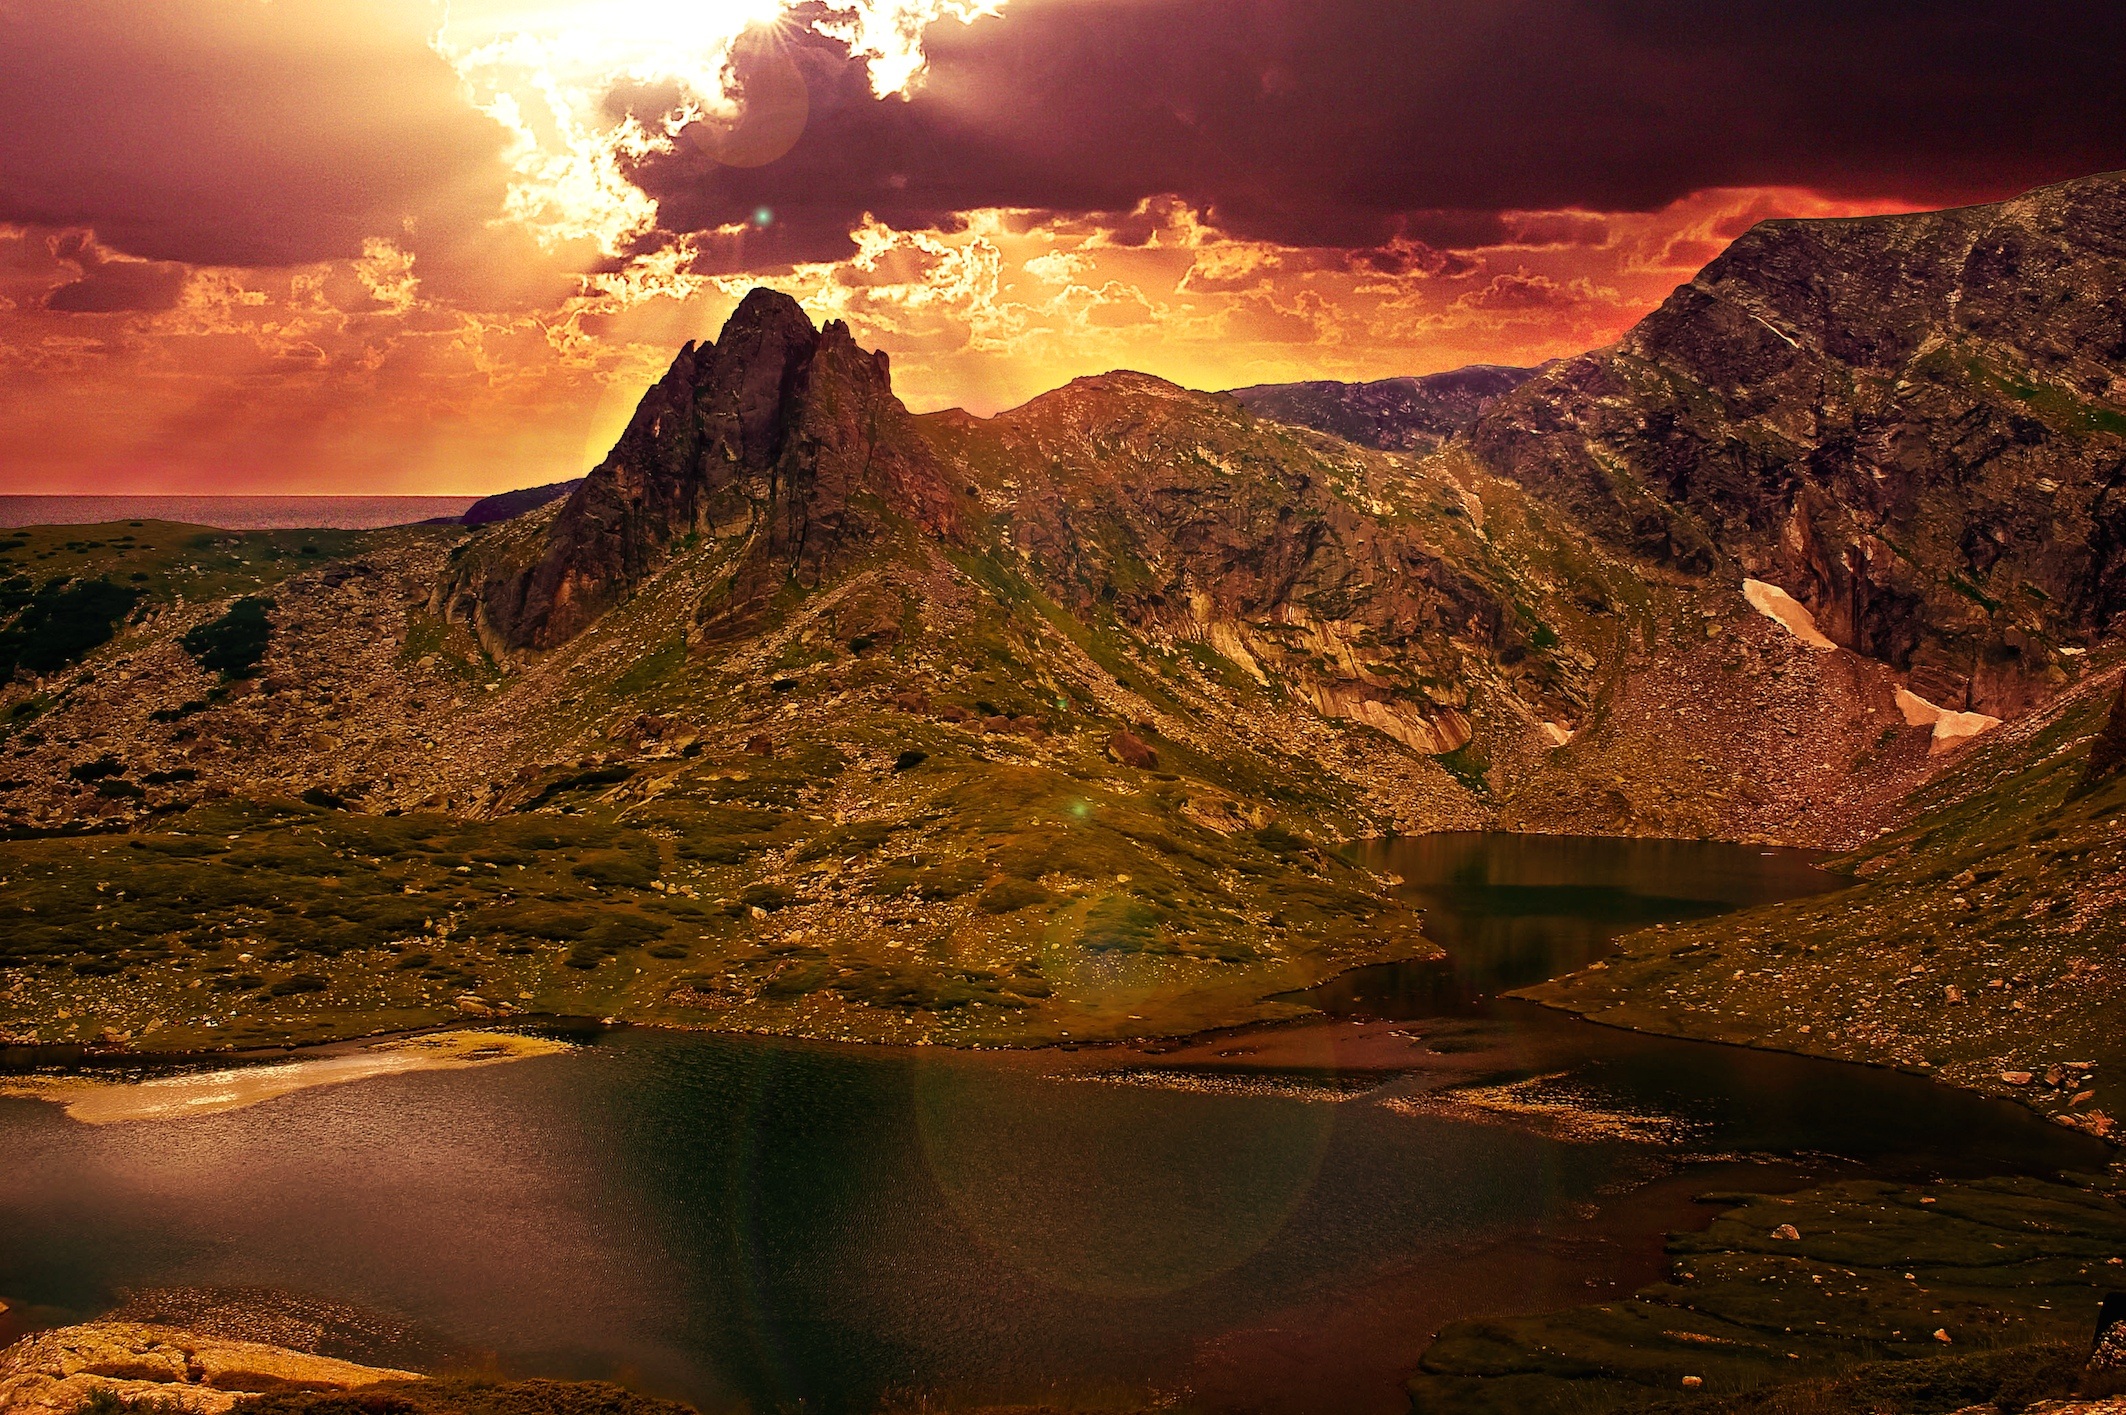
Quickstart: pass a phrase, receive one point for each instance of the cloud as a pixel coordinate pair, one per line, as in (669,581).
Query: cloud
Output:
(224,133)
(111,284)
(341,244)
(1353,124)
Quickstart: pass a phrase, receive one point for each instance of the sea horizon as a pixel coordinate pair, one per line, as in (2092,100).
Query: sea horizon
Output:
(232,513)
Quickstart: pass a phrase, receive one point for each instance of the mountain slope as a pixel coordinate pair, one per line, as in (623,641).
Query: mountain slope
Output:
(1392,414)
(805,715)
(1915,425)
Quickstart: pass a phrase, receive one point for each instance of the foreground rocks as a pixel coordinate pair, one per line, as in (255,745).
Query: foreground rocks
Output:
(56,1372)
(1973,1295)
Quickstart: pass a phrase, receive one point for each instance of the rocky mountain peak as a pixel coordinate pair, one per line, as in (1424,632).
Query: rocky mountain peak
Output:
(1915,425)
(780,444)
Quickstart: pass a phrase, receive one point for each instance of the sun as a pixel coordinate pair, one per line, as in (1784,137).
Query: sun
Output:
(544,70)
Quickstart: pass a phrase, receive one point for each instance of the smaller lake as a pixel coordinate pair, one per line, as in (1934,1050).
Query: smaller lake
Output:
(1512,910)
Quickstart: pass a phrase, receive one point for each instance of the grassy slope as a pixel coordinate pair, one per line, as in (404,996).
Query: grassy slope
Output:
(630,856)
(1981,942)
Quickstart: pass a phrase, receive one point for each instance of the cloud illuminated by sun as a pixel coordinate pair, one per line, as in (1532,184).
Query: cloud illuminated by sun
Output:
(545,68)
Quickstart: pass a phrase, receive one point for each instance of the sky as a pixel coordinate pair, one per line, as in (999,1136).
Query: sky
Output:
(408,246)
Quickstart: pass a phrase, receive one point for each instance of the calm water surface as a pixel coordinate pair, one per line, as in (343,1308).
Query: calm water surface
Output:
(759,1225)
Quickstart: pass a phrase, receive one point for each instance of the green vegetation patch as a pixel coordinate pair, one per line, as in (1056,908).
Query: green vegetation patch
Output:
(235,644)
(59,623)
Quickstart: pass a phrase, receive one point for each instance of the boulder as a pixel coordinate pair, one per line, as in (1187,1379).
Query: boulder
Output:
(1129,749)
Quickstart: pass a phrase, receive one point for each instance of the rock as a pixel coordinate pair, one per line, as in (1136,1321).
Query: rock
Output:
(2108,1351)
(1787,1232)
(781,441)
(1693,1382)
(54,1372)
(2016,1078)
(760,745)
(1129,749)
(2107,754)
(1941,1334)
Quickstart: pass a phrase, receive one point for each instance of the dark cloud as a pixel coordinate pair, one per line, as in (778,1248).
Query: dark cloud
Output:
(1355,123)
(238,133)
(107,284)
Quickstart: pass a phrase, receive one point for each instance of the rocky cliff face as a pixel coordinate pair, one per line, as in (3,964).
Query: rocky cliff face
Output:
(1915,425)
(1392,414)
(779,443)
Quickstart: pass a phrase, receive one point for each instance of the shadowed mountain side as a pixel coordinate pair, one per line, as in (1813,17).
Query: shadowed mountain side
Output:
(1916,425)
(508,505)
(1391,414)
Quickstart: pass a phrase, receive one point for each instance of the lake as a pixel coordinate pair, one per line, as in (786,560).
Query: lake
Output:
(1272,1220)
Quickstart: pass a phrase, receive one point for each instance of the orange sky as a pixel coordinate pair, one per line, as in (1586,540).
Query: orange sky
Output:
(329,247)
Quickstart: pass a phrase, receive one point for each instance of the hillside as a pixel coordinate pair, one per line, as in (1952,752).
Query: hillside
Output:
(1981,943)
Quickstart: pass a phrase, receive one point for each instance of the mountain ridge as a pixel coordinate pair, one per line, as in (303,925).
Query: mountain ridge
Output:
(1411,413)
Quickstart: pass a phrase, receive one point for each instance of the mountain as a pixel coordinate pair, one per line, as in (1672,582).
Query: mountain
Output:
(1914,425)
(1391,414)
(1980,943)
(777,436)
(806,714)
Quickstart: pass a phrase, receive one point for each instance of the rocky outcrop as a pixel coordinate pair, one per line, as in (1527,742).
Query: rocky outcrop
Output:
(55,1372)
(781,443)
(1914,425)
(2107,754)
(1392,414)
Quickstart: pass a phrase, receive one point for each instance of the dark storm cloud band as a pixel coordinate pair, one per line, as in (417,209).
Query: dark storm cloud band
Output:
(1350,123)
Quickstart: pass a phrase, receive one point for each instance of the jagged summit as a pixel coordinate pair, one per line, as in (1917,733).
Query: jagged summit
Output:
(781,442)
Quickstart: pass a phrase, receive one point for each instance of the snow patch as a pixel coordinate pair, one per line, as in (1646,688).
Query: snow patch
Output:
(1789,613)
(1950,728)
